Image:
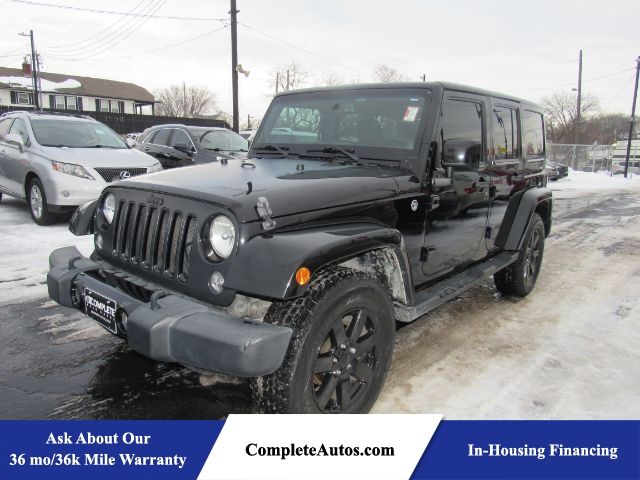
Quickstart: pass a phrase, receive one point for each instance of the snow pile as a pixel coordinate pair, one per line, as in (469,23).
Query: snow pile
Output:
(46,85)
(595,181)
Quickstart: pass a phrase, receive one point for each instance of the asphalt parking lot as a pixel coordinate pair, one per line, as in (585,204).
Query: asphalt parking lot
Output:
(569,350)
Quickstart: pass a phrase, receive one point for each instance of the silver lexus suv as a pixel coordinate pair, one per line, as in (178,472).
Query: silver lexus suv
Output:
(59,161)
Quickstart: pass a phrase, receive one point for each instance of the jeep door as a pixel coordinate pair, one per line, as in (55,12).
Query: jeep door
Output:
(460,184)
(505,163)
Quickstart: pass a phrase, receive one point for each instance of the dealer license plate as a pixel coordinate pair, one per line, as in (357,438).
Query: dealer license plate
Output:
(101,309)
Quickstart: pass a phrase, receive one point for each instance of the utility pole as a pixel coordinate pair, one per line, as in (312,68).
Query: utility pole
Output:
(633,118)
(248,122)
(34,70)
(576,132)
(576,127)
(423,77)
(287,79)
(277,81)
(234,64)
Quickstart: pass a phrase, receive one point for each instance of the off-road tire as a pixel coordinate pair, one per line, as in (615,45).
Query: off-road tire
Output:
(35,189)
(519,278)
(293,387)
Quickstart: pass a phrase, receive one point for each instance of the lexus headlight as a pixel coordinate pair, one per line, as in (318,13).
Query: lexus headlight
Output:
(155,168)
(109,207)
(222,236)
(71,169)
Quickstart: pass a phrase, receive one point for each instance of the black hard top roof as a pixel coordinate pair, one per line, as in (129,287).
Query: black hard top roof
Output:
(414,85)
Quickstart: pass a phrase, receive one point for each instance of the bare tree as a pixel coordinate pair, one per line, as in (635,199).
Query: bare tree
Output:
(185,101)
(561,108)
(332,79)
(288,77)
(385,74)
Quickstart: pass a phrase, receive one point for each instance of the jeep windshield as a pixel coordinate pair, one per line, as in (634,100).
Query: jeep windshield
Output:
(379,123)
(75,134)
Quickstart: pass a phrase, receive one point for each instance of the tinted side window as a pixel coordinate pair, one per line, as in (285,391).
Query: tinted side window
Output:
(533,134)
(505,133)
(4,126)
(180,138)
(20,128)
(462,124)
(162,137)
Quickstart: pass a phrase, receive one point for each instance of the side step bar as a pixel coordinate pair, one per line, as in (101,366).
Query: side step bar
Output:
(435,295)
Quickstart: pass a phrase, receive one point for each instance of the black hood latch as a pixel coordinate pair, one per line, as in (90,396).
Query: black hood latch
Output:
(264,212)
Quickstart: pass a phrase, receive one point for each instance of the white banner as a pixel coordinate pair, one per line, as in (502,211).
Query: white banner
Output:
(319,447)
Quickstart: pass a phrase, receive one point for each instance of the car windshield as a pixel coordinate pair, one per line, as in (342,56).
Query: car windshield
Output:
(75,134)
(225,140)
(366,121)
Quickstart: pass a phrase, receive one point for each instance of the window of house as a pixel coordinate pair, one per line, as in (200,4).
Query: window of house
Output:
(104,106)
(72,103)
(505,133)
(23,98)
(533,134)
(115,107)
(59,102)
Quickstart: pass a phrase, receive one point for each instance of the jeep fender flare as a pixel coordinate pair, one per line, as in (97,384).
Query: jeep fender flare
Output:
(83,219)
(520,209)
(266,265)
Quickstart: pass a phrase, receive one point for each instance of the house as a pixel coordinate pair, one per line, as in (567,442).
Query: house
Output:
(73,93)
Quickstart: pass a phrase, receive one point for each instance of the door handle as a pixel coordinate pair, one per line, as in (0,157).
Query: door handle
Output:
(146,149)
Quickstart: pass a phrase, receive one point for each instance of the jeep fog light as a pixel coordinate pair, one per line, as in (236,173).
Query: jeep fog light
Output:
(216,282)
(109,207)
(99,242)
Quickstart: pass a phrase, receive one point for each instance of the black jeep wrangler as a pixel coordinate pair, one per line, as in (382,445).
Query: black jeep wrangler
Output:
(357,207)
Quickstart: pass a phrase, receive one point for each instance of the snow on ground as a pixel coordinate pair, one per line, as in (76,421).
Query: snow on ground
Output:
(569,350)
(578,182)
(24,257)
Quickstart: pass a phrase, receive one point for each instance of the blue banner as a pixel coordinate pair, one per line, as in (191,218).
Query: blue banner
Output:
(253,446)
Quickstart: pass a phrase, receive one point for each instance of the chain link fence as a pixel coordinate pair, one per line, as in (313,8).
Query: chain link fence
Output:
(588,158)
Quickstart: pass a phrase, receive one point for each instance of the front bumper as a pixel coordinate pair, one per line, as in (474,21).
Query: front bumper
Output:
(172,328)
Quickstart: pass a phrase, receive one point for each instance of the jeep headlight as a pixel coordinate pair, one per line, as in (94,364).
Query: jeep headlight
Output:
(222,236)
(109,207)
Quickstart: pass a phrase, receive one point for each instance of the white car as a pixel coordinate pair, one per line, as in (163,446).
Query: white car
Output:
(57,162)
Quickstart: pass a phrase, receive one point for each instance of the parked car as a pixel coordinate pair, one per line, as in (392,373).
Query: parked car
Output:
(358,206)
(182,145)
(59,161)
(618,166)
(131,138)
(556,171)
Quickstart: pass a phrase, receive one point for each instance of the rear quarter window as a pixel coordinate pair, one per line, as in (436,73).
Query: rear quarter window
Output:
(533,135)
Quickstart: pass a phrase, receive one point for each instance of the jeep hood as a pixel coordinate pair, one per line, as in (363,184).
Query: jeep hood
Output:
(291,186)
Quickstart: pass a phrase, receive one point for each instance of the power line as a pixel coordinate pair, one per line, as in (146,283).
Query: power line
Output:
(119,38)
(75,44)
(119,57)
(128,27)
(111,12)
(573,83)
(300,49)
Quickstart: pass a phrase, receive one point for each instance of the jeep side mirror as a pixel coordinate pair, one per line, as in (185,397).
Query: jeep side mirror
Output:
(461,153)
(15,140)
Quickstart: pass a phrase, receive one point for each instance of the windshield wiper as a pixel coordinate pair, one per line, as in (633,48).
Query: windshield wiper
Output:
(99,146)
(274,148)
(344,151)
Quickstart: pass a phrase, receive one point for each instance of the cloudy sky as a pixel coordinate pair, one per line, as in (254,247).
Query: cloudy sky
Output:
(529,50)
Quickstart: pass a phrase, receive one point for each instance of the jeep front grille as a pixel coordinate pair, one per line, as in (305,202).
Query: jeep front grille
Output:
(154,239)
(111,174)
